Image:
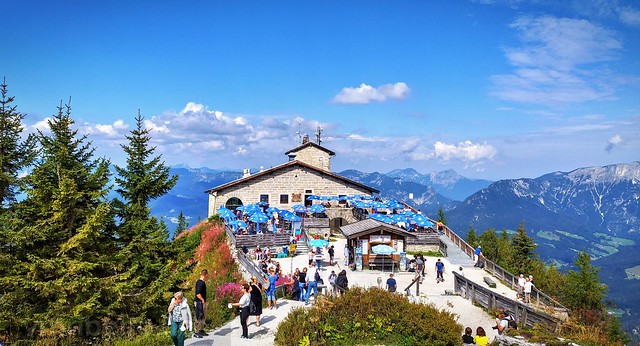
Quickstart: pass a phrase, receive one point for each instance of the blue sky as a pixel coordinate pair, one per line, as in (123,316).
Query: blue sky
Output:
(491,89)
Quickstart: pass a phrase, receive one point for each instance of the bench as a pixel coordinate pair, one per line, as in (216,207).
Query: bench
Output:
(489,282)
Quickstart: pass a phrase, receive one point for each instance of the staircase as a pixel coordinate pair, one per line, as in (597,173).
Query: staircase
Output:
(301,248)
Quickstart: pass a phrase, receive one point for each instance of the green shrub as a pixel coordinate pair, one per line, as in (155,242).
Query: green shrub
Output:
(371,316)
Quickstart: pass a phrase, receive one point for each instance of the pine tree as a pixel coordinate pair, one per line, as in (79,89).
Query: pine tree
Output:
(489,242)
(182,225)
(144,254)
(61,234)
(441,217)
(505,250)
(523,247)
(15,154)
(472,238)
(582,289)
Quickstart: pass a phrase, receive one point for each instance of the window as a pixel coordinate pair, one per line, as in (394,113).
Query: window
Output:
(284,199)
(233,203)
(308,191)
(264,198)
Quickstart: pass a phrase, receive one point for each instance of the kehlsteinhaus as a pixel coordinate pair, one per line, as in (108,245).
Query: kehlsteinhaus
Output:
(307,173)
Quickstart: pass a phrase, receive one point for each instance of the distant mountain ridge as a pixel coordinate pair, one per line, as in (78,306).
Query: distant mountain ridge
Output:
(447,183)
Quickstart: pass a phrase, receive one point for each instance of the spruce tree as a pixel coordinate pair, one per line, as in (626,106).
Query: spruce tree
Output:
(582,289)
(523,255)
(441,217)
(61,234)
(472,238)
(182,225)
(15,154)
(144,256)
(489,242)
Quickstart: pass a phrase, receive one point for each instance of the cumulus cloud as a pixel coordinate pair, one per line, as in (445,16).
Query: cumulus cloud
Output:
(465,151)
(366,93)
(613,142)
(547,66)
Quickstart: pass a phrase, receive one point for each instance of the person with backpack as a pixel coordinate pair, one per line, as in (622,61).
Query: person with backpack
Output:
(505,321)
(342,282)
(332,282)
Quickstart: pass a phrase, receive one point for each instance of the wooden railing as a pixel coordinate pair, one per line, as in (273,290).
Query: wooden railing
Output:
(523,313)
(502,274)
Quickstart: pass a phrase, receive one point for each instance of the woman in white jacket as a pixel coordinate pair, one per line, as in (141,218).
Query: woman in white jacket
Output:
(179,318)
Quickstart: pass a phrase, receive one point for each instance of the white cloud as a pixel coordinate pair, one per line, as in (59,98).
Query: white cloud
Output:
(613,142)
(366,93)
(465,151)
(547,67)
(630,16)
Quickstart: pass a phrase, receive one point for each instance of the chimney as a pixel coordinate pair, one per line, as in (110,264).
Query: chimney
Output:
(246,172)
(261,168)
(305,139)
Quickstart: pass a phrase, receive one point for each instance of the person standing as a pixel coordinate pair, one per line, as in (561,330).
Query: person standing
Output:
(439,271)
(332,253)
(342,282)
(528,286)
(271,291)
(255,289)
(243,304)
(332,283)
(179,318)
(392,284)
(201,304)
(302,282)
(419,267)
(476,254)
(311,282)
(467,339)
(521,282)
(346,255)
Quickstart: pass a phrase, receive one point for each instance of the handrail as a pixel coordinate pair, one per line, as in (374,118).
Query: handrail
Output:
(523,313)
(501,273)
(414,281)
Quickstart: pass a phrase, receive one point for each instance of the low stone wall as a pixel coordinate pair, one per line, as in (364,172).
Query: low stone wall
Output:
(421,248)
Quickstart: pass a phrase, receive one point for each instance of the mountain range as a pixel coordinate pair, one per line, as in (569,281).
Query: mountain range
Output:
(596,209)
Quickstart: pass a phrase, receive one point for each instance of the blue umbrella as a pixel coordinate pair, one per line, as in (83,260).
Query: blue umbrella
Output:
(225,213)
(289,216)
(272,209)
(313,198)
(238,223)
(299,208)
(263,204)
(318,243)
(383,249)
(380,217)
(259,218)
(317,208)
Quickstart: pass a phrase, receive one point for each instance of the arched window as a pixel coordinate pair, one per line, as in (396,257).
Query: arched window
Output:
(233,203)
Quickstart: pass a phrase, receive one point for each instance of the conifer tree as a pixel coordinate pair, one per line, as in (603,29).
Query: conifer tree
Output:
(489,242)
(472,238)
(523,247)
(441,217)
(582,289)
(143,258)
(61,234)
(15,154)
(182,225)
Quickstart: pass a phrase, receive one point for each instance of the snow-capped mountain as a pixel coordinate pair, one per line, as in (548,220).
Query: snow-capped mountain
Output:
(447,183)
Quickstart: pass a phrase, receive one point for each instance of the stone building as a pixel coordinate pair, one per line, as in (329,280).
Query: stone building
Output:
(306,173)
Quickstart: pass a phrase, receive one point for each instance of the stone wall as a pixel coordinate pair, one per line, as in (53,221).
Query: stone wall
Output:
(315,157)
(293,181)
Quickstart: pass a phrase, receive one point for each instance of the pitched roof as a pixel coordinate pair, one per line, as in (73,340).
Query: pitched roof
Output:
(310,144)
(368,225)
(291,164)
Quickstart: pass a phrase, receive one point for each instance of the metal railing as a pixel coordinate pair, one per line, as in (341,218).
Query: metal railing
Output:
(524,314)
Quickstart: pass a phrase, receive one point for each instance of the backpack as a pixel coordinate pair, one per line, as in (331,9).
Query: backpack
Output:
(511,322)
(318,278)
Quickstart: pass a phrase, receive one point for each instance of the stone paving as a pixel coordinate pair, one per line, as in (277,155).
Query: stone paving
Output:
(430,293)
